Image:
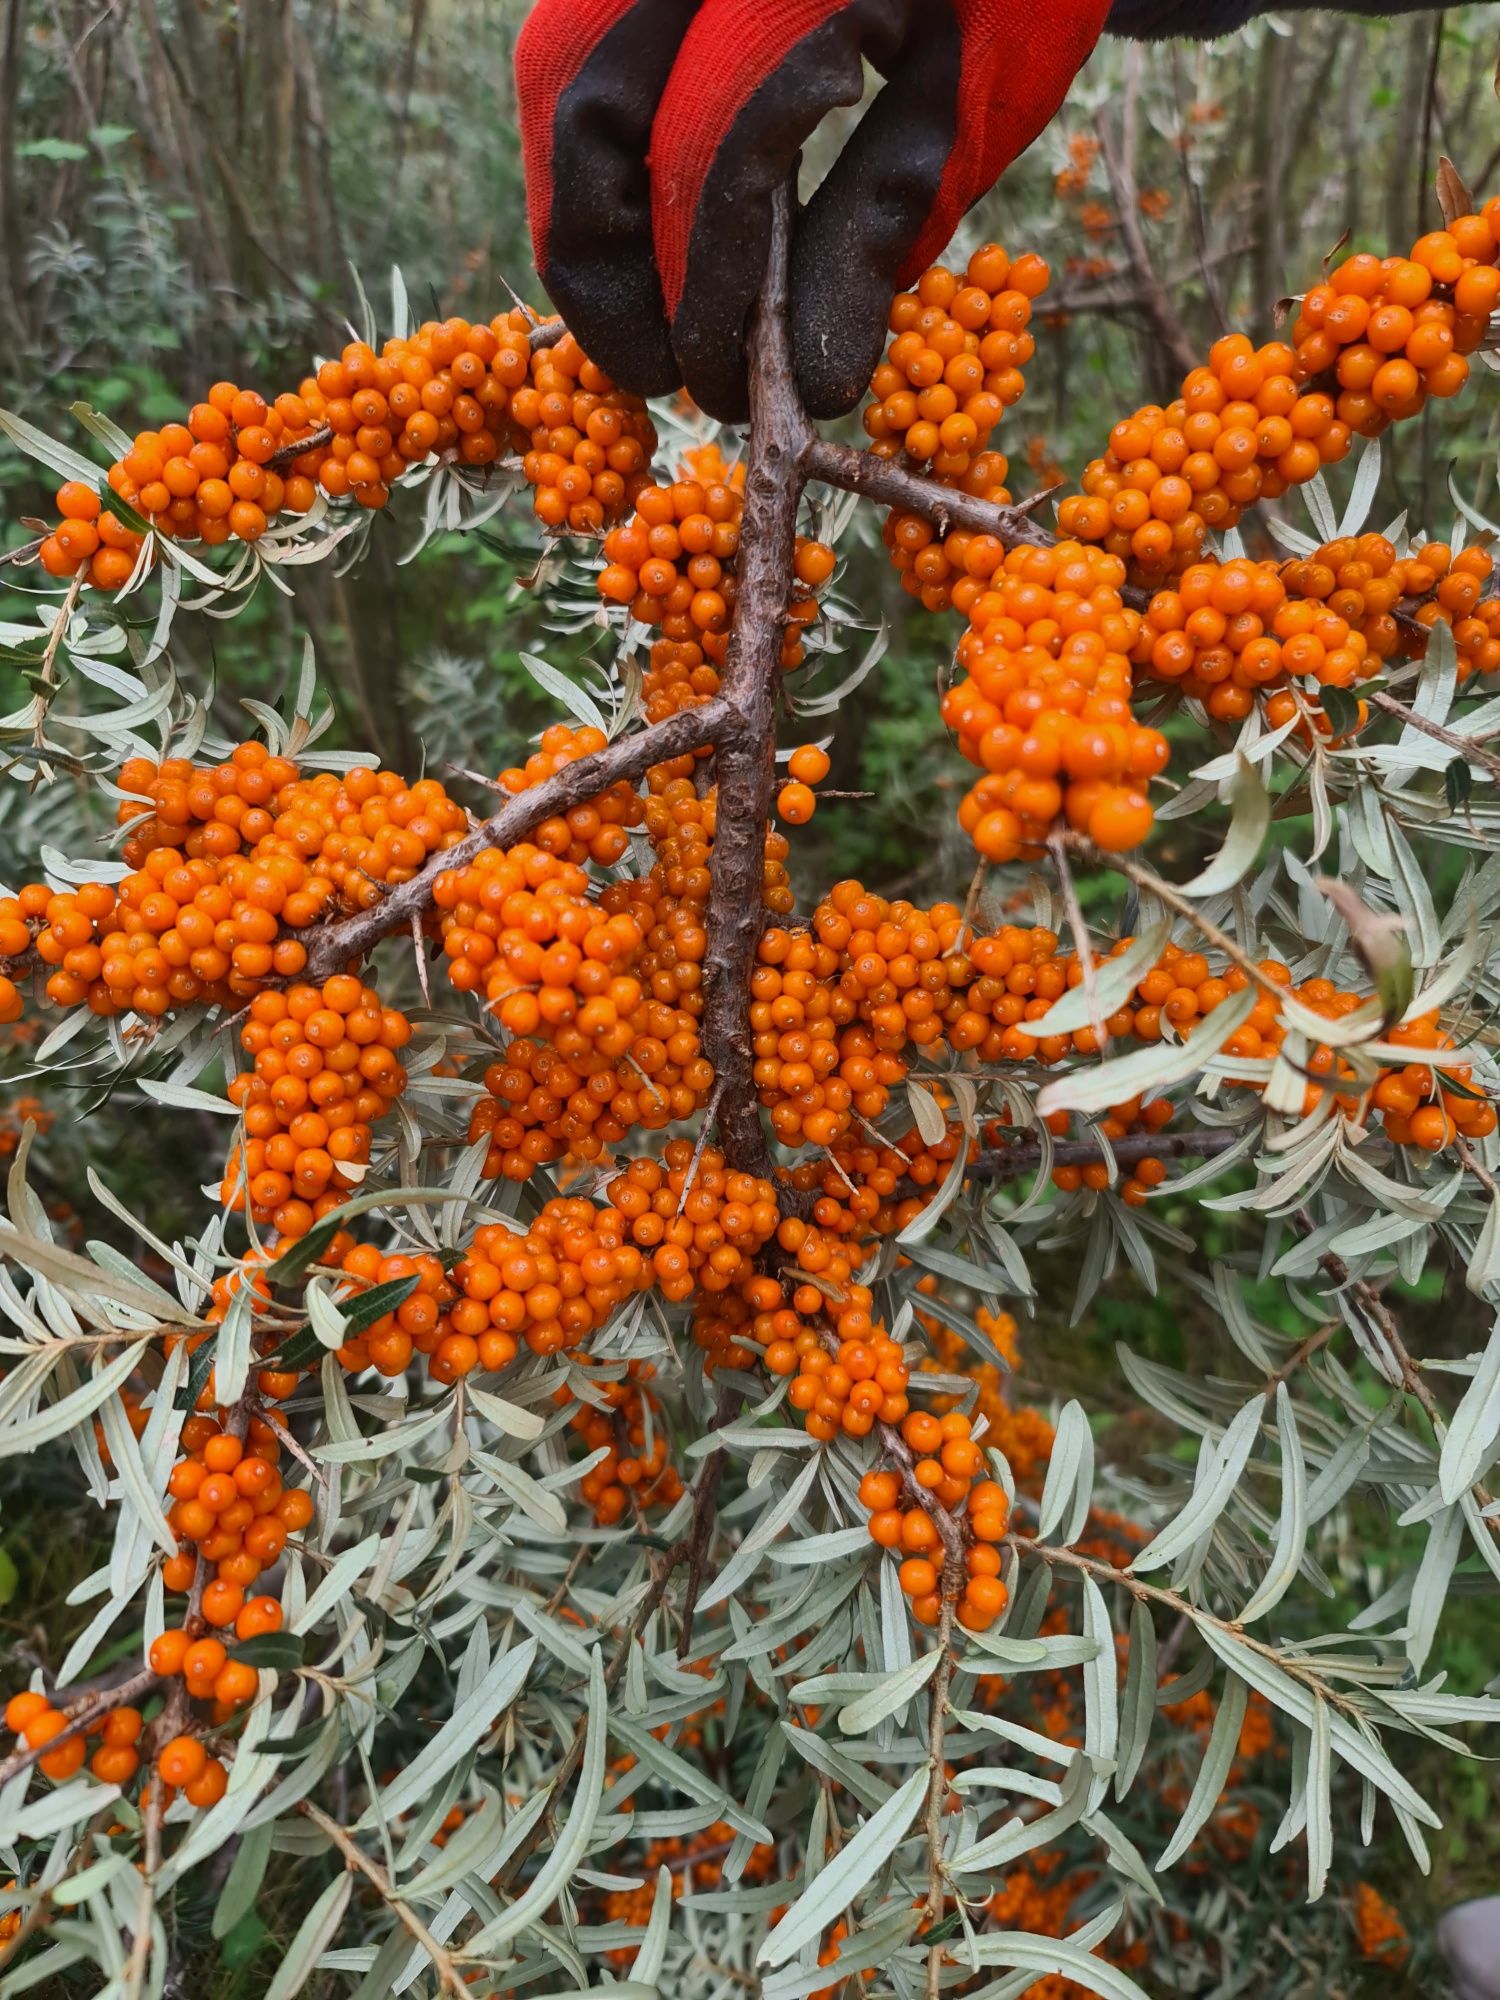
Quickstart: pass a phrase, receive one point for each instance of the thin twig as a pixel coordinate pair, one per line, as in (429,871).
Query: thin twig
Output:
(375,1875)
(83,1717)
(1463,746)
(884,480)
(1147,878)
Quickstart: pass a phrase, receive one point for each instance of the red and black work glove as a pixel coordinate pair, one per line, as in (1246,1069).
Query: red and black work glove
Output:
(655,133)
(656,269)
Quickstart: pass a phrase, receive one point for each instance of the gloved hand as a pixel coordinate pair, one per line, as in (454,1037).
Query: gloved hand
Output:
(655,133)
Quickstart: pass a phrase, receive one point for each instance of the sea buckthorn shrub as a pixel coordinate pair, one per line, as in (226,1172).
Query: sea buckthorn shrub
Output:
(604,1480)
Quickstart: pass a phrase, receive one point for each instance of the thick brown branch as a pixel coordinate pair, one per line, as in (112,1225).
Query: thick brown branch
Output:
(884,480)
(1009,1163)
(331,949)
(745,760)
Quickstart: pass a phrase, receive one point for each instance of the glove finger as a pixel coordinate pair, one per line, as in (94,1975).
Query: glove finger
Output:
(974,84)
(855,233)
(751,83)
(589,77)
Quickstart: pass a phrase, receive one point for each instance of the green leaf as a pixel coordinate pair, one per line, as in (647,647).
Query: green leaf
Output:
(1291,1529)
(572,1843)
(835,1887)
(277,1651)
(52,149)
(1341,708)
(1212,1494)
(365,1308)
(314,1935)
(1219,1754)
(1476,1422)
(1458,784)
(1150,1069)
(471,1721)
(242,1885)
(894,1692)
(1248,825)
(1138,1698)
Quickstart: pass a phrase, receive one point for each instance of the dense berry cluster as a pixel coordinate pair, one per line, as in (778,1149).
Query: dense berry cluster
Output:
(1045,710)
(590,443)
(326,1065)
(229,863)
(354,429)
(673,565)
(953,368)
(1367,349)
(600,989)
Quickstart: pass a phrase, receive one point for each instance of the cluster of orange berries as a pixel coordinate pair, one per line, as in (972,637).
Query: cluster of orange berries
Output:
(1122,1121)
(594,831)
(355,428)
(673,565)
(590,443)
(231,1510)
(229,862)
(1363,580)
(615,1043)
(953,368)
(1045,708)
(630,1432)
(32,1717)
(422,1323)
(945,1464)
(1378,1927)
(549,1287)
(679,676)
(326,1066)
(1368,348)
(860,1381)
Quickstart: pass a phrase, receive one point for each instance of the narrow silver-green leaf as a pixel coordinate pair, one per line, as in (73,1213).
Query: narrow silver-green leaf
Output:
(836,1886)
(1219,1754)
